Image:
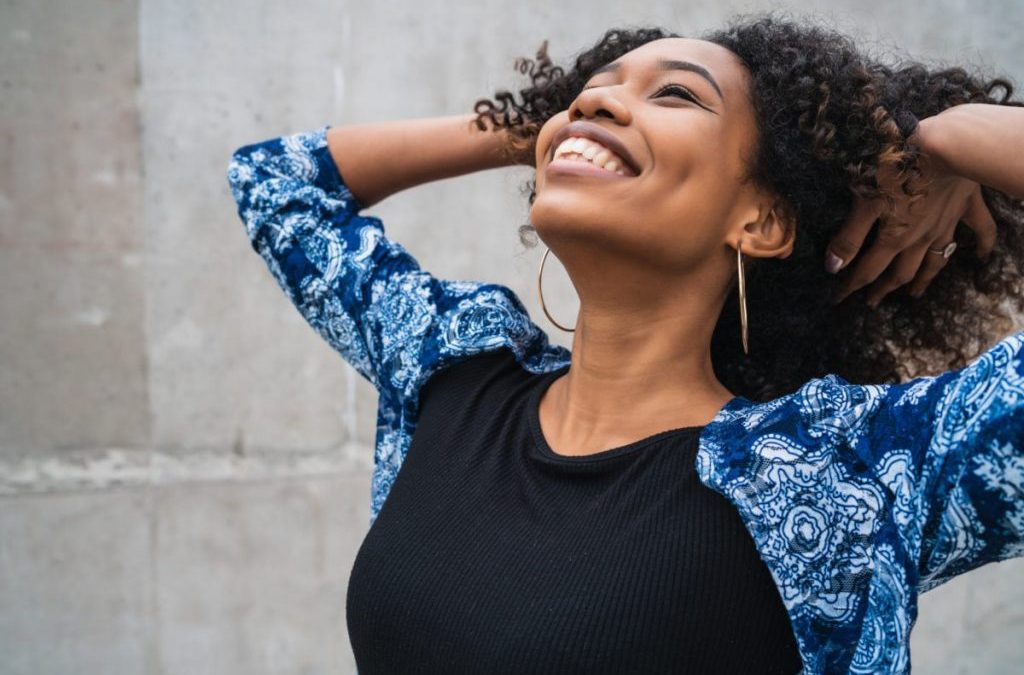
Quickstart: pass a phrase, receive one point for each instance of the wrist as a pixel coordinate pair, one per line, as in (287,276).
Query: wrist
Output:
(933,137)
(513,146)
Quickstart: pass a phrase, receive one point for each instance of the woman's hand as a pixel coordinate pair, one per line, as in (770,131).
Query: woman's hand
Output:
(899,254)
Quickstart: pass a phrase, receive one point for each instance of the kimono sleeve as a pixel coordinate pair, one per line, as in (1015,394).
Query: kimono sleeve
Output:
(957,441)
(363,293)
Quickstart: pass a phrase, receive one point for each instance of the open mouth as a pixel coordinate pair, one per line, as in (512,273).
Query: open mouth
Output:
(587,152)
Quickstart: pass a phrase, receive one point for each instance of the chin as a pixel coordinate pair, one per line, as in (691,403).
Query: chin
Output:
(555,218)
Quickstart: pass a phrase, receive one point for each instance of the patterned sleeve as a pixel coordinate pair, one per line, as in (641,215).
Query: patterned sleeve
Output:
(951,449)
(363,293)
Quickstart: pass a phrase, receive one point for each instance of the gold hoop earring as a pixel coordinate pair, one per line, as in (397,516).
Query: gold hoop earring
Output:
(540,292)
(743,294)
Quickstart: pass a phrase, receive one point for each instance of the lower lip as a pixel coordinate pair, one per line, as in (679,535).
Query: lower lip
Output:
(577,167)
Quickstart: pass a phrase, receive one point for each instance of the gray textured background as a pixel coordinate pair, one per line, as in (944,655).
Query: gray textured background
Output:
(184,464)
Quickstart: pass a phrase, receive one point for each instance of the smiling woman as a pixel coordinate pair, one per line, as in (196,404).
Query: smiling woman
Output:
(814,122)
(656,499)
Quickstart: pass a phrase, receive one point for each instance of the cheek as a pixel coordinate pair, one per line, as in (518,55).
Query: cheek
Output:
(694,181)
(688,213)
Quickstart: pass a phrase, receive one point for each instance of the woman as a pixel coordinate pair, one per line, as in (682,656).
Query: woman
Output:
(726,473)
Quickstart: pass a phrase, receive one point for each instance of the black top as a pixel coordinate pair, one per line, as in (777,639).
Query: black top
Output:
(493,554)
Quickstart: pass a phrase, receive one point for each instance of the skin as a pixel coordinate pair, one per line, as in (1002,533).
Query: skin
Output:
(652,257)
(900,255)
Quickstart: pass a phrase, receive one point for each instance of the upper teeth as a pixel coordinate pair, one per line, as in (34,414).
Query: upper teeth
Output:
(584,149)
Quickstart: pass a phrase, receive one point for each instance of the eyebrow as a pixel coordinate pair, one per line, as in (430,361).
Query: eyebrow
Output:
(670,64)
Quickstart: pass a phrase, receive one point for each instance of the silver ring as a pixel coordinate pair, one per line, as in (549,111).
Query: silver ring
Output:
(945,251)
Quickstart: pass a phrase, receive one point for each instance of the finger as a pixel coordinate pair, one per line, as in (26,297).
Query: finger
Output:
(931,264)
(902,271)
(872,262)
(847,241)
(979,218)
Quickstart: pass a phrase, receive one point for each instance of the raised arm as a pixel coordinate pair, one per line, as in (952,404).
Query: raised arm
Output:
(379,159)
(950,448)
(363,293)
(981,141)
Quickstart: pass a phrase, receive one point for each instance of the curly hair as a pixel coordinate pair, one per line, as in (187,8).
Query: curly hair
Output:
(829,118)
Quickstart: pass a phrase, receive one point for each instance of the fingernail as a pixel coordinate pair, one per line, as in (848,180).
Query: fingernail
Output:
(833,263)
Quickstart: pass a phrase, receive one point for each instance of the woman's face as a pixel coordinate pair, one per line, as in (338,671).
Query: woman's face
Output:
(686,197)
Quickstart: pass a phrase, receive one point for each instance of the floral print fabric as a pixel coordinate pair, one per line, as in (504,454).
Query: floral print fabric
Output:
(858,497)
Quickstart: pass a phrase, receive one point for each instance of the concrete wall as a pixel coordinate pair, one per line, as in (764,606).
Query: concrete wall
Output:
(184,464)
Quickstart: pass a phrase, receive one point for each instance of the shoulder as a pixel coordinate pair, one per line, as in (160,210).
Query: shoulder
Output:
(820,421)
(443,322)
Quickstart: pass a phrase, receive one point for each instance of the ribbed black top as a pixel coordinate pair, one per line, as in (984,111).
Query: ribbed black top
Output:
(493,554)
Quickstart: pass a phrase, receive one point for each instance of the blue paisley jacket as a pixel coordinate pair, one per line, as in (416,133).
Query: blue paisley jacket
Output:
(858,497)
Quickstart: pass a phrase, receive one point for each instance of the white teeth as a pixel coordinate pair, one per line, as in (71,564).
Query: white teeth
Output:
(583,149)
(565,147)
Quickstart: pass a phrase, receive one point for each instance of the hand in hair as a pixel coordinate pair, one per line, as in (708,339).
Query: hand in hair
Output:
(910,224)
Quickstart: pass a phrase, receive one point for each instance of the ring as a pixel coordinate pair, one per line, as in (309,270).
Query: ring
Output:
(945,251)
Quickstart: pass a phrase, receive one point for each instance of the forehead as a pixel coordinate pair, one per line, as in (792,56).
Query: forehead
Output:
(723,65)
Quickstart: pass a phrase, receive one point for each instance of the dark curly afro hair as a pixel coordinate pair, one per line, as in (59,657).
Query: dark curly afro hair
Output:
(829,117)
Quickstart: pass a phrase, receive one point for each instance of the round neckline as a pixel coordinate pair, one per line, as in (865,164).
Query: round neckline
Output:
(541,443)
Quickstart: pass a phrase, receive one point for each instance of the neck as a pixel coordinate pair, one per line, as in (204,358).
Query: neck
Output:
(636,369)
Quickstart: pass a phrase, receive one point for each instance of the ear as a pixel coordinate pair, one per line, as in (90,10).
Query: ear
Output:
(769,232)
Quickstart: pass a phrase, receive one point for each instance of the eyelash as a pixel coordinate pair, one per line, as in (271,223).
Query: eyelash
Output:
(671,87)
(676,88)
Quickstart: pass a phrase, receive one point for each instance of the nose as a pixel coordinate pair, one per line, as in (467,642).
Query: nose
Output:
(599,102)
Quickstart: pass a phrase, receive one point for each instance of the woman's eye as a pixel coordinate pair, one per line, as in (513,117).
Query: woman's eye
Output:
(672,89)
(678,91)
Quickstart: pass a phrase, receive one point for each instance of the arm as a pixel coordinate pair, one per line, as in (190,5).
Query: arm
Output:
(362,292)
(980,141)
(379,159)
(951,450)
